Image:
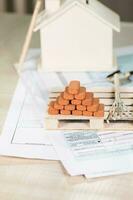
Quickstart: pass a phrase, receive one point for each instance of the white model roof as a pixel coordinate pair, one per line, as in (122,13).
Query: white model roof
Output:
(94,7)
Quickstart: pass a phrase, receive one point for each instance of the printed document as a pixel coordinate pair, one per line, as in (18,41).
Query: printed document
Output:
(93,153)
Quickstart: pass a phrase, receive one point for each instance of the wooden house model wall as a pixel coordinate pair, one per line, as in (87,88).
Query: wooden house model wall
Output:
(77,35)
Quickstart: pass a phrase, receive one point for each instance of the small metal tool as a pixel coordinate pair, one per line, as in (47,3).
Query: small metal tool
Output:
(118,111)
(124,77)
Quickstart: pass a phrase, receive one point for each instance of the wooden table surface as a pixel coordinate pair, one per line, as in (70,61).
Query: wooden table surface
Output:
(39,179)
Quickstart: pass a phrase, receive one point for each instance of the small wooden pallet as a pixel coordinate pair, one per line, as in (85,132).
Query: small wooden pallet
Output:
(73,122)
(106,96)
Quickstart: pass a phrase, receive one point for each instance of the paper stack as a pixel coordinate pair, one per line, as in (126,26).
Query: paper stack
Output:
(89,153)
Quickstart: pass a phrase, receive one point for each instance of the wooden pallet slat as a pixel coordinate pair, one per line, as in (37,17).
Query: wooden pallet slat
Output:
(100,89)
(109,101)
(100,95)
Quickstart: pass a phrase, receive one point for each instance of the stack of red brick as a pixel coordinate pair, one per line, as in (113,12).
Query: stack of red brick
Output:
(75,100)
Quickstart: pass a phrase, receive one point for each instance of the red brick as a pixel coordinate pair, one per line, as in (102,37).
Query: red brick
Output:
(89,95)
(76,102)
(62,101)
(52,111)
(65,112)
(100,111)
(87,102)
(95,105)
(87,113)
(74,87)
(82,93)
(96,101)
(81,107)
(70,107)
(51,103)
(67,96)
(92,108)
(58,106)
(76,112)
(99,114)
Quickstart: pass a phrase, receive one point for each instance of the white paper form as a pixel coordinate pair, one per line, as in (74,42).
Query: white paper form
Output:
(23,133)
(94,153)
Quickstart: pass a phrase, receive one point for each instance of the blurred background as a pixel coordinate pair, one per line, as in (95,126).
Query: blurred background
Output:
(123,7)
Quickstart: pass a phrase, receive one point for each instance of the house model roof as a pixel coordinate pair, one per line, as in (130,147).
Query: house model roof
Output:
(97,9)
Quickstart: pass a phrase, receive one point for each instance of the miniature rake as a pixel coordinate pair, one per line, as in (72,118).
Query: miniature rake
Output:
(118,111)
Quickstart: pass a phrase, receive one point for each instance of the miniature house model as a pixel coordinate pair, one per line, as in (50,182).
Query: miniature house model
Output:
(77,35)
